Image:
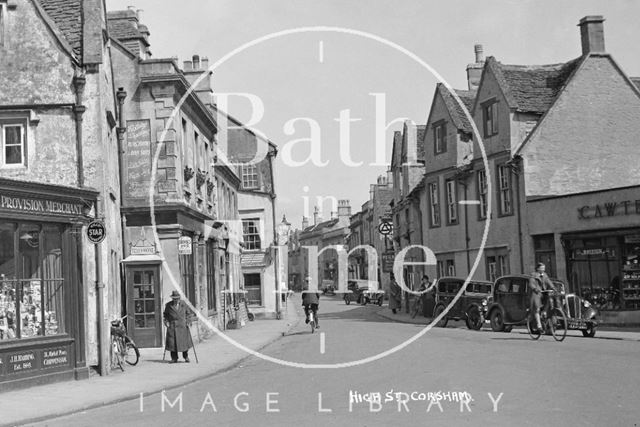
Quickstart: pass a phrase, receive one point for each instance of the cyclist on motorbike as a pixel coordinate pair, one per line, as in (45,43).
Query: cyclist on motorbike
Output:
(310,301)
(538,283)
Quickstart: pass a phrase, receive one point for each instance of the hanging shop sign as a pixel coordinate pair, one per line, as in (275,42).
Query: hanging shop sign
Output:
(184,245)
(96,231)
(387,261)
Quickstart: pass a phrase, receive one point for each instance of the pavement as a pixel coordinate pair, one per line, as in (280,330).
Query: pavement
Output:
(151,374)
(603,331)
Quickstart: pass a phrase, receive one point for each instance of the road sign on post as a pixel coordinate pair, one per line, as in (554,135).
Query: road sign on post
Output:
(385,228)
(96,231)
(184,245)
(387,261)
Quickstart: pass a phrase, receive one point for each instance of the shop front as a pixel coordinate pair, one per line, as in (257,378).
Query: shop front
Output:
(592,241)
(42,310)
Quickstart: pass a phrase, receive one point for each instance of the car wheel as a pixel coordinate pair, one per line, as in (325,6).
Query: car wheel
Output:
(442,323)
(508,328)
(497,321)
(347,300)
(590,332)
(474,319)
(380,301)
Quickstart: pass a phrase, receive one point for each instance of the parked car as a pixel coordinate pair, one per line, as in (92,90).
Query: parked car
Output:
(362,292)
(581,314)
(509,302)
(328,287)
(509,306)
(470,307)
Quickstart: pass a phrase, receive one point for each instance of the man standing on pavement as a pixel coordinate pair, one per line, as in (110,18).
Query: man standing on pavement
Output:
(395,295)
(177,317)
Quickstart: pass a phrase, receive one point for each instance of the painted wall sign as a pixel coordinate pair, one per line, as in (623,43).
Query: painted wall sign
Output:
(184,245)
(12,203)
(54,357)
(138,158)
(143,250)
(625,207)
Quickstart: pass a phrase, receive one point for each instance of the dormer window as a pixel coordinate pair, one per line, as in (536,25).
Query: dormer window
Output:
(249,176)
(490,117)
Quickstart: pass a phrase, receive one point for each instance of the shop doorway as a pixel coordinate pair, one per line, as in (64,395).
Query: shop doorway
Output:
(144,312)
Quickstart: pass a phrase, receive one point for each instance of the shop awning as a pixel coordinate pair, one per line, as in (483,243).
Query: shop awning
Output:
(143,259)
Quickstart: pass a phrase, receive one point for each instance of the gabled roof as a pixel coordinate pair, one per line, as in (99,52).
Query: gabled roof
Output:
(67,16)
(531,88)
(458,116)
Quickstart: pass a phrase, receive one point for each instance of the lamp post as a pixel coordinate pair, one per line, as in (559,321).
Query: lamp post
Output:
(282,231)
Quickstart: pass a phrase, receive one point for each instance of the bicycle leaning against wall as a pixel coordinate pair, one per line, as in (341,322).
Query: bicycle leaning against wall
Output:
(123,348)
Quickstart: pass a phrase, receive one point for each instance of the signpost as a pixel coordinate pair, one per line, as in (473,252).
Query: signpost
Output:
(96,231)
(387,261)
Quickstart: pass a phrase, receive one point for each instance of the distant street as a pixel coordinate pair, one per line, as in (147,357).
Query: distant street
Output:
(579,381)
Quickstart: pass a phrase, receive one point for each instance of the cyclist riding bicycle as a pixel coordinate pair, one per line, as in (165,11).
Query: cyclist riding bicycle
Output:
(538,283)
(310,301)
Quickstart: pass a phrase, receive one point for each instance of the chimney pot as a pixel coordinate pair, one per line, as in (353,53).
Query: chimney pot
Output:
(188,65)
(592,34)
(196,62)
(204,63)
(139,14)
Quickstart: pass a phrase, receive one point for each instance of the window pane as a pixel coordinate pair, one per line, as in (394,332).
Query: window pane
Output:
(13,145)
(53,281)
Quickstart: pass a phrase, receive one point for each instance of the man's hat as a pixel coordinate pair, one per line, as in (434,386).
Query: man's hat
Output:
(538,265)
(175,295)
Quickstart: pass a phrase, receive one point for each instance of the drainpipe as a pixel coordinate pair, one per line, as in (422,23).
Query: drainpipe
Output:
(120,131)
(79,81)
(275,237)
(514,164)
(103,345)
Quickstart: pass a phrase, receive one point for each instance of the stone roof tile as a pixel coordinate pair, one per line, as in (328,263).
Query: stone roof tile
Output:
(532,88)
(67,15)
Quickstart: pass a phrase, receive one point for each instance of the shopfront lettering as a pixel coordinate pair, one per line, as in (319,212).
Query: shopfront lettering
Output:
(22,204)
(609,209)
(22,362)
(54,357)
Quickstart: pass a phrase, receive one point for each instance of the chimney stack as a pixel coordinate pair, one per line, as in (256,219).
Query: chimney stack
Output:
(305,222)
(316,215)
(592,34)
(344,211)
(196,62)
(474,71)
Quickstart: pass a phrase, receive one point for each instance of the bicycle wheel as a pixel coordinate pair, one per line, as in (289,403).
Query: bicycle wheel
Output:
(312,322)
(558,324)
(417,308)
(132,354)
(116,354)
(533,330)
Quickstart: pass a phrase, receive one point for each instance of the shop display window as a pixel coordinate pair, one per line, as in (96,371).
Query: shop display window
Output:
(31,281)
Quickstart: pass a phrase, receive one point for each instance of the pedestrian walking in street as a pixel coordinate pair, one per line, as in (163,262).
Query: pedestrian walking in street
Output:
(177,318)
(395,295)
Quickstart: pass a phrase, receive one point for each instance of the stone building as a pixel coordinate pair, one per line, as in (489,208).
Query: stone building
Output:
(560,183)
(59,170)
(180,197)
(323,234)
(253,156)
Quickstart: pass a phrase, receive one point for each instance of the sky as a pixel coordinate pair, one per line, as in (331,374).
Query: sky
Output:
(307,80)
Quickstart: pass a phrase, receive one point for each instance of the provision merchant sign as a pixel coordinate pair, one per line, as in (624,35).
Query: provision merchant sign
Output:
(44,206)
